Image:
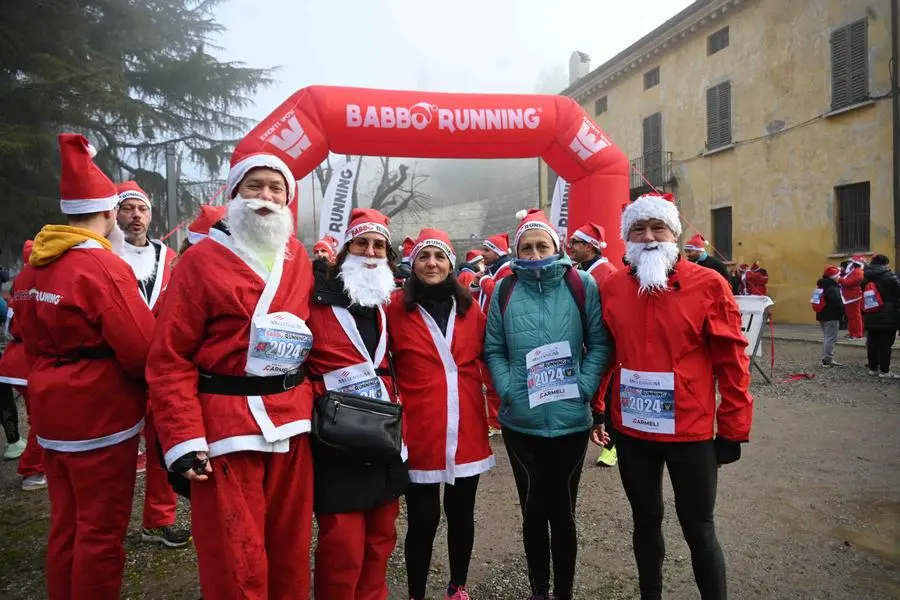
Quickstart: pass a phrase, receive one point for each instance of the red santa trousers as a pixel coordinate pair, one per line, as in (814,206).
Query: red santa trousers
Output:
(90,505)
(160,500)
(854,318)
(31,461)
(252,524)
(353,551)
(491,397)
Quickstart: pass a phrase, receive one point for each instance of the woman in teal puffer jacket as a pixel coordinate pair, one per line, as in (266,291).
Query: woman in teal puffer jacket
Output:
(546,363)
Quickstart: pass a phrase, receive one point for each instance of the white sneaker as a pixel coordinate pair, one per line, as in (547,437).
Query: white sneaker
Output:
(14,451)
(34,482)
(888,375)
(871,373)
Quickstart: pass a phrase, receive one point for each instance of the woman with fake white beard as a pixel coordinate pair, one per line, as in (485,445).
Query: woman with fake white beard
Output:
(357,445)
(677,333)
(546,348)
(436,334)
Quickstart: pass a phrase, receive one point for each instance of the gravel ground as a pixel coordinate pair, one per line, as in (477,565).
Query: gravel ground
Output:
(811,511)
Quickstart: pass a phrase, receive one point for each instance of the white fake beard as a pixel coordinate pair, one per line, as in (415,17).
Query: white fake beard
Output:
(365,286)
(259,235)
(116,238)
(652,262)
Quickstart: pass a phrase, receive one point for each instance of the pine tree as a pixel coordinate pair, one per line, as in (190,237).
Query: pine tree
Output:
(133,76)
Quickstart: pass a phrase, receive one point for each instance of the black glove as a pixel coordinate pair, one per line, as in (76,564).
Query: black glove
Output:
(188,462)
(727,451)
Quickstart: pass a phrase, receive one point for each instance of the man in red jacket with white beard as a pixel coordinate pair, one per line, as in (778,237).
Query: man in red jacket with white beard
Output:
(226,384)
(677,332)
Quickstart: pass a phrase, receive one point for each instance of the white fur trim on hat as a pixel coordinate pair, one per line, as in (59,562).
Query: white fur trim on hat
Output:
(493,247)
(476,260)
(134,195)
(86,207)
(442,246)
(535,225)
(195,237)
(692,247)
(245,165)
(650,207)
(368,227)
(590,240)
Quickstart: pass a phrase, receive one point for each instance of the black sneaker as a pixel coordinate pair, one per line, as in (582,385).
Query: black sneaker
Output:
(169,536)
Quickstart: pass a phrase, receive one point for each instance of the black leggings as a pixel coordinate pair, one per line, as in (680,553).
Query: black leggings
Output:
(9,414)
(692,469)
(547,473)
(878,348)
(423,507)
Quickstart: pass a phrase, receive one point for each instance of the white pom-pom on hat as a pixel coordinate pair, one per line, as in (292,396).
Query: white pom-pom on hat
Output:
(521,214)
(92,151)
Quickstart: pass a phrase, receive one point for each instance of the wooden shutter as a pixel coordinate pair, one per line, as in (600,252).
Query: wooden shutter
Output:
(724,115)
(858,59)
(849,64)
(718,116)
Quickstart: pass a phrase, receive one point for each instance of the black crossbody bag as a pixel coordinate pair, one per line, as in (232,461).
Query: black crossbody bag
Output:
(359,426)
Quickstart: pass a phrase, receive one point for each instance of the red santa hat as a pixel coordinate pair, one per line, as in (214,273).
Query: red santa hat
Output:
(26,250)
(83,187)
(697,243)
(209,216)
(651,206)
(593,234)
(130,190)
(832,271)
(243,162)
(498,243)
(744,266)
(534,218)
(754,266)
(406,249)
(474,257)
(436,238)
(328,244)
(367,220)
(859,260)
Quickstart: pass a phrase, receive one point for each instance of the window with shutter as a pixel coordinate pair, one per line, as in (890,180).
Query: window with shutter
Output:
(849,64)
(717,41)
(651,78)
(721,231)
(718,116)
(600,106)
(853,217)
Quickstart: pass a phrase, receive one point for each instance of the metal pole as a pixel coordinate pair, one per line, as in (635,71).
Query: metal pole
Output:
(172,196)
(895,102)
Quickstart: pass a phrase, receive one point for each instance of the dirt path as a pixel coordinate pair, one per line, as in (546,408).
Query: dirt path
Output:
(811,511)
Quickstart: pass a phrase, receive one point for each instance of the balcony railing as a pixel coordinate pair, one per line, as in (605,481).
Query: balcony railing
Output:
(654,167)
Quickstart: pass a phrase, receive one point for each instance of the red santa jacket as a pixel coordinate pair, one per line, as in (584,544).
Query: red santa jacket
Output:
(440,386)
(755,281)
(14,360)
(339,345)
(600,271)
(86,331)
(205,325)
(851,285)
(489,282)
(689,335)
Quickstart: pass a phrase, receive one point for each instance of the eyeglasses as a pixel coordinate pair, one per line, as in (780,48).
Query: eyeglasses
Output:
(571,243)
(361,244)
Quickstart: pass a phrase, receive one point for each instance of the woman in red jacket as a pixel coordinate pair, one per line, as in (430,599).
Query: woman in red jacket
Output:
(436,334)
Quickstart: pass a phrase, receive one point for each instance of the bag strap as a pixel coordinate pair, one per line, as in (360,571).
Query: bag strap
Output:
(505,290)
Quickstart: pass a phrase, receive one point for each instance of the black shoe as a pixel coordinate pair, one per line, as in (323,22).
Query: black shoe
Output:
(169,536)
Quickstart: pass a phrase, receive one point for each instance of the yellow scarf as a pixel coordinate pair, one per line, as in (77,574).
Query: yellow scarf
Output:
(55,240)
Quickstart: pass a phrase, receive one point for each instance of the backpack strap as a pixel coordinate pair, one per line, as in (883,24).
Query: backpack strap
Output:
(505,290)
(576,288)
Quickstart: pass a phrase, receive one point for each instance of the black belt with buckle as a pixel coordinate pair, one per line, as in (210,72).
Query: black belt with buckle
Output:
(248,385)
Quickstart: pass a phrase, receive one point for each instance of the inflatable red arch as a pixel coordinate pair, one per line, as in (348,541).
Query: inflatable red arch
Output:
(319,119)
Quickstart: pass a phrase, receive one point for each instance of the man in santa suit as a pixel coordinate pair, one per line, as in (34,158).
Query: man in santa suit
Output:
(471,272)
(403,269)
(677,332)
(227,389)
(86,331)
(151,261)
(586,249)
(325,249)
(851,291)
(754,279)
(356,501)
(14,367)
(695,251)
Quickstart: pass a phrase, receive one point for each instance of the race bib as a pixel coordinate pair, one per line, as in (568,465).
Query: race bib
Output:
(648,401)
(279,343)
(551,374)
(358,379)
